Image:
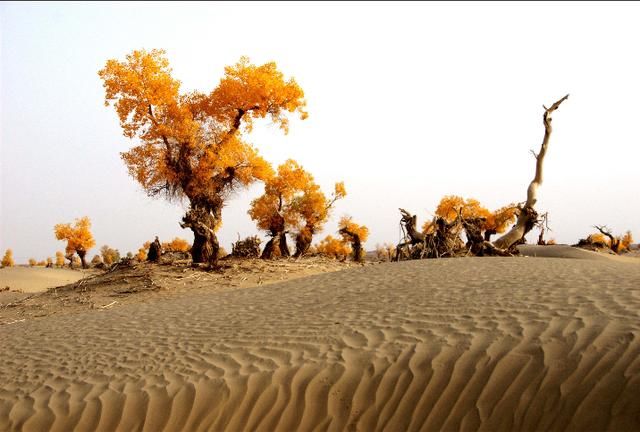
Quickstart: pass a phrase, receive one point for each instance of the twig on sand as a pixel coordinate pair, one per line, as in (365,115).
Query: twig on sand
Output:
(109,305)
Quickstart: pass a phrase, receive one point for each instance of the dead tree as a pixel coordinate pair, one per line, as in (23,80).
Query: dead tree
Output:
(614,243)
(527,216)
(155,249)
(412,236)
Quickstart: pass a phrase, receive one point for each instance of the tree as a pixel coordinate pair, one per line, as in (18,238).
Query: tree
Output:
(274,211)
(79,238)
(49,262)
(59,259)
(97,260)
(32,262)
(109,255)
(314,210)
(191,145)
(7,259)
(355,234)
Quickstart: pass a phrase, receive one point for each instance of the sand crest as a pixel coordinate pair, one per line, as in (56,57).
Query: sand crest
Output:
(451,344)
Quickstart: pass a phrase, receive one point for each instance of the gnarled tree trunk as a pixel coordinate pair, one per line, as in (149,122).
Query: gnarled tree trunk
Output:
(356,244)
(528,217)
(303,241)
(278,239)
(202,219)
(82,253)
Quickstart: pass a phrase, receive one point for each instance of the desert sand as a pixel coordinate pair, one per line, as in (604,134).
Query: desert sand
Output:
(36,279)
(521,343)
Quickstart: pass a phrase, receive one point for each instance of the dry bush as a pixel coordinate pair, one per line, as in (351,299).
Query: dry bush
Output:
(109,255)
(7,259)
(32,262)
(249,247)
(59,259)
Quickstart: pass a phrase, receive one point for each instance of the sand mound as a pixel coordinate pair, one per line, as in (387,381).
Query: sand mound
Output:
(452,344)
(36,279)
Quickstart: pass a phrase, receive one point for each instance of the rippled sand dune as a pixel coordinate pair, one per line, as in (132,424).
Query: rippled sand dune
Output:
(452,344)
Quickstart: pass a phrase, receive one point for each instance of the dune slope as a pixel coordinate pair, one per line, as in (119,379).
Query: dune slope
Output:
(452,344)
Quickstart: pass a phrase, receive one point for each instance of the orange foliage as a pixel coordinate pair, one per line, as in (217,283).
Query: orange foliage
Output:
(32,262)
(314,208)
(41,263)
(273,211)
(49,262)
(501,219)
(450,205)
(59,259)
(109,255)
(190,144)
(97,259)
(79,238)
(142,254)
(598,239)
(355,234)
(333,248)
(351,228)
(7,259)
(626,241)
(176,245)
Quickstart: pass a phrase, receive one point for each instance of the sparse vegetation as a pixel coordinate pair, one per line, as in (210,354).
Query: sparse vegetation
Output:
(7,259)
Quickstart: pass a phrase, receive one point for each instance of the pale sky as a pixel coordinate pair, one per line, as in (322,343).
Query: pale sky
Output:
(407,102)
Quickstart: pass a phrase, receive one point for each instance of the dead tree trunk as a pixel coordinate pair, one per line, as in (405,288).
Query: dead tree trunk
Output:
(155,250)
(614,243)
(527,216)
(202,219)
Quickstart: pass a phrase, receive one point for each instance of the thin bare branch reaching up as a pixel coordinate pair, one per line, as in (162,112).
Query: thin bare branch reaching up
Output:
(528,216)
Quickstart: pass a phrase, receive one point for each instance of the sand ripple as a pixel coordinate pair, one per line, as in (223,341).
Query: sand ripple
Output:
(457,344)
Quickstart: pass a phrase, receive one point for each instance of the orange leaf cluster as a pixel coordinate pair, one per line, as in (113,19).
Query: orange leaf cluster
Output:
(109,255)
(78,237)
(7,259)
(292,200)
(347,225)
(333,248)
(451,206)
(190,144)
(176,245)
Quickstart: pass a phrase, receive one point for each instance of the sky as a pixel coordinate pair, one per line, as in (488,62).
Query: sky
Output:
(407,102)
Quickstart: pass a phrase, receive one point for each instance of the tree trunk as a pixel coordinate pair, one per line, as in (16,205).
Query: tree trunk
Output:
(70,258)
(267,252)
(284,247)
(488,234)
(528,217)
(278,242)
(81,254)
(303,241)
(202,218)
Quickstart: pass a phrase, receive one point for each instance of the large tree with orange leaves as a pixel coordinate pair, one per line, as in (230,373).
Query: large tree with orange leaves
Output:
(191,145)
(78,237)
